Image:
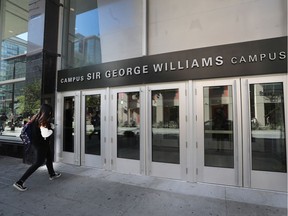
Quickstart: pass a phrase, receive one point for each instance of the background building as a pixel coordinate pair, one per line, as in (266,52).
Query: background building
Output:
(189,90)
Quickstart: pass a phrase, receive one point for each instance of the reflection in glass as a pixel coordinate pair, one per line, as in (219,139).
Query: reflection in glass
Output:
(128,125)
(81,45)
(92,124)
(268,128)
(16,109)
(218,126)
(13,49)
(68,130)
(165,126)
(14,39)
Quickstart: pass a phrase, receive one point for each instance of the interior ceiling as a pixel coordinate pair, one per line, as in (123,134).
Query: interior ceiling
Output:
(16,14)
(83,6)
(15,18)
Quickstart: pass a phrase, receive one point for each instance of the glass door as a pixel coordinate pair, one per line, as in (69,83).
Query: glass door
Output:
(166,131)
(127,130)
(70,125)
(218,128)
(265,165)
(92,130)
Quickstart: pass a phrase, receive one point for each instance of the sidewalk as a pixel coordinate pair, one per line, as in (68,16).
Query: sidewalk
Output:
(82,191)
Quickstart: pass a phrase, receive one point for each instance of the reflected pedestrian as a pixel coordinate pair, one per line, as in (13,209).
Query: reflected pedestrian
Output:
(3,120)
(42,129)
(96,122)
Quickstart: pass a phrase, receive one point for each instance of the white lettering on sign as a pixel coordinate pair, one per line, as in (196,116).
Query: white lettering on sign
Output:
(191,64)
(72,79)
(93,76)
(258,58)
(187,64)
(126,72)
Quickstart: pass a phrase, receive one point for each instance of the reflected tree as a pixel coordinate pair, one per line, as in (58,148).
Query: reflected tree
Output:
(30,100)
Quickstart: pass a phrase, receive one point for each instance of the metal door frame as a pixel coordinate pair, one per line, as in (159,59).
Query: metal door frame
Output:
(206,174)
(86,159)
(249,174)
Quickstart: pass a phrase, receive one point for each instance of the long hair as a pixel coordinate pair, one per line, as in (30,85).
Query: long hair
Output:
(44,116)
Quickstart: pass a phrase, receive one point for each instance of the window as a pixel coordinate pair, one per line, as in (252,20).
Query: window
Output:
(13,37)
(81,34)
(95,32)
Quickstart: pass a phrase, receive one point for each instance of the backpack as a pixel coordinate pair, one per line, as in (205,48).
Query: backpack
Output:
(26,135)
(29,156)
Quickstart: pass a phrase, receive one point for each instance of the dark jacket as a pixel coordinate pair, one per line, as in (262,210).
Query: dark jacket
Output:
(39,146)
(37,139)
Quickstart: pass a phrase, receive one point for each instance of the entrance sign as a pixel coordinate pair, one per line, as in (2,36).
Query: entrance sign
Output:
(267,56)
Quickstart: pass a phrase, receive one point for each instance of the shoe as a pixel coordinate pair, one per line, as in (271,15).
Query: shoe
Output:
(19,186)
(54,176)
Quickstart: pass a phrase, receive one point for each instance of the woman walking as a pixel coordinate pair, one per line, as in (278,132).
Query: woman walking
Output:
(41,132)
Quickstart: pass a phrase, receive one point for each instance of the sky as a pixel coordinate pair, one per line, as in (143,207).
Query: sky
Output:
(23,36)
(87,23)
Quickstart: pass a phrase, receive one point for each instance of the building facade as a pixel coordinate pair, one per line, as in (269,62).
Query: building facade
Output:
(188,90)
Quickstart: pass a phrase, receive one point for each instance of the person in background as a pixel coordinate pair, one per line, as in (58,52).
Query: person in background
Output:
(95,121)
(42,129)
(3,120)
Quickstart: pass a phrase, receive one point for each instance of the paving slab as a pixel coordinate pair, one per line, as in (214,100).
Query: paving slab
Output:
(87,191)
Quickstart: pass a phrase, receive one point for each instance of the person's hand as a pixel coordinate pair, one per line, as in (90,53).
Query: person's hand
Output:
(52,126)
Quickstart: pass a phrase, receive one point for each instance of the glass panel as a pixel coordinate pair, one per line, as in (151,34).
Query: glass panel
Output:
(128,125)
(165,126)
(92,124)
(268,128)
(101,31)
(14,28)
(13,49)
(68,130)
(218,127)
(13,39)
(6,127)
(17,104)
(81,41)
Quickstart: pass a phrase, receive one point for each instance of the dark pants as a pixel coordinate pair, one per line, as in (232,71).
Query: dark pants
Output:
(43,153)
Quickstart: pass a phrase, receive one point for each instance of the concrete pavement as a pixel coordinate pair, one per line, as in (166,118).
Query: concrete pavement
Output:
(87,191)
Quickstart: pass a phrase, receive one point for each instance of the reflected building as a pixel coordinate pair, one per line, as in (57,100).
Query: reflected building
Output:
(87,50)
(13,66)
